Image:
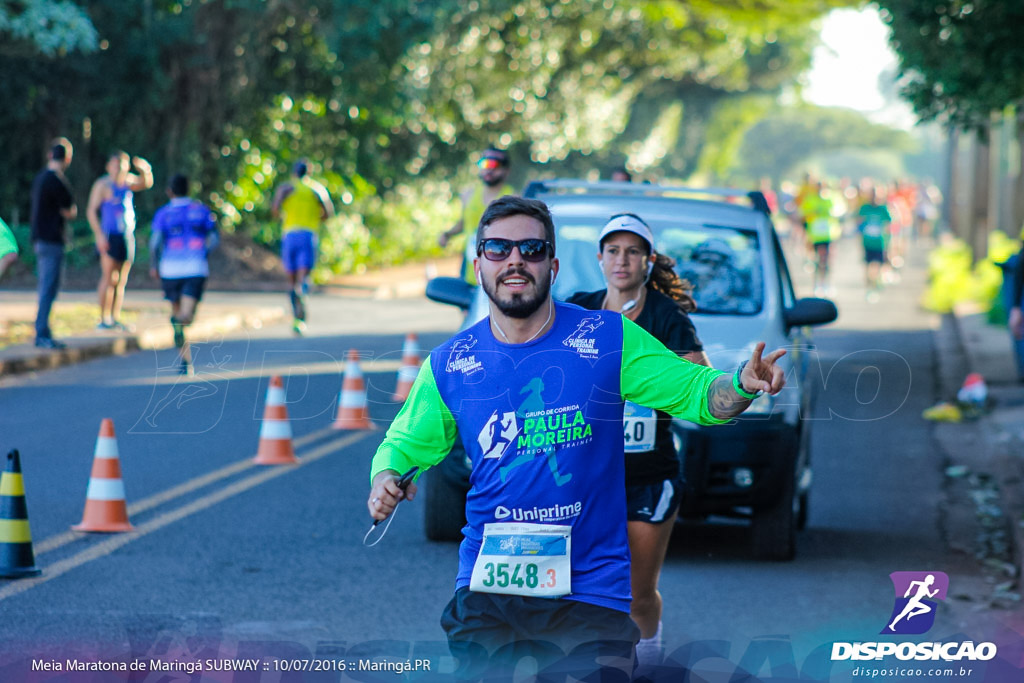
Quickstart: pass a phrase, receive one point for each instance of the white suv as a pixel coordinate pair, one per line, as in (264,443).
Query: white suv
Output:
(757,467)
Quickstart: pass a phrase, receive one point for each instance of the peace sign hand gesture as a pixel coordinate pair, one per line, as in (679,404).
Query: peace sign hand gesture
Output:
(762,373)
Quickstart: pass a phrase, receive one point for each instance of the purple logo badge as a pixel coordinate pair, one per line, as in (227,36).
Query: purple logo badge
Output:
(917,596)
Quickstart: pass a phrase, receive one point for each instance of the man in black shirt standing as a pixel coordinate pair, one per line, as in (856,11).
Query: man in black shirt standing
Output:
(52,206)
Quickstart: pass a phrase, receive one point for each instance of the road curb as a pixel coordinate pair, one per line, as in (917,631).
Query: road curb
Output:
(154,337)
(35,361)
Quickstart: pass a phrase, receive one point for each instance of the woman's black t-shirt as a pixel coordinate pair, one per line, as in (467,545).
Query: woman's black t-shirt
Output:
(666,322)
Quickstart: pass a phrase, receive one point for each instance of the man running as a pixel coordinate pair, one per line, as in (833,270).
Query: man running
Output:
(184,232)
(111,214)
(874,231)
(303,205)
(822,228)
(494,169)
(561,572)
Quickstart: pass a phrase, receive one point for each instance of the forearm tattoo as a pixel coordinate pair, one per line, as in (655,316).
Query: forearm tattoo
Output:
(723,401)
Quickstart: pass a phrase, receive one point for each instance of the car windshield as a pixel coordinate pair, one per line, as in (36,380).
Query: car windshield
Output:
(723,264)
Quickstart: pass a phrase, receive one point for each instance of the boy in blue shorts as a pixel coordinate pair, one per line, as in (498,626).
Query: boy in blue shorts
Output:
(184,232)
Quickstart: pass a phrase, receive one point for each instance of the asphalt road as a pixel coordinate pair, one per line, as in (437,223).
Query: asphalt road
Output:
(233,560)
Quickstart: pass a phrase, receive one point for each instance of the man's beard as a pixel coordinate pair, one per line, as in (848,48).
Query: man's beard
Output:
(519,305)
(493,181)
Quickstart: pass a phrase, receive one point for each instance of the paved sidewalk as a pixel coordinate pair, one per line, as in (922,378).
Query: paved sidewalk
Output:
(220,313)
(993,448)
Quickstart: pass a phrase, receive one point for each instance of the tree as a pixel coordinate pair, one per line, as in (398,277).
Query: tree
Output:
(46,27)
(959,60)
(779,143)
(388,98)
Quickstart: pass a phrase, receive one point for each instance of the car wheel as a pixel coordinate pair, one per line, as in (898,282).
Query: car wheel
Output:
(774,526)
(444,509)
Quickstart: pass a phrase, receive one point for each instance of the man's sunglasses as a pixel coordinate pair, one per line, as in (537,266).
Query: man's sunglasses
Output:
(488,164)
(498,249)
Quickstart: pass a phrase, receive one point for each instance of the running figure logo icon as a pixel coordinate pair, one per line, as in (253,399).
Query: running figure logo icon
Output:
(579,339)
(914,611)
(497,434)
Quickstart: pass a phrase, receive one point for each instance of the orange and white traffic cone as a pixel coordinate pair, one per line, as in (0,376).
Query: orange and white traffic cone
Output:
(276,431)
(353,412)
(105,507)
(409,369)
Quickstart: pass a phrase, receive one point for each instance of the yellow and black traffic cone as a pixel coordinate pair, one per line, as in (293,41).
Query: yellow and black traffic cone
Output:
(16,558)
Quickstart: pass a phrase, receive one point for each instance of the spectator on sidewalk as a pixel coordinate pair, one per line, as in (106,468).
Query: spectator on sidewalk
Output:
(52,206)
(111,214)
(8,248)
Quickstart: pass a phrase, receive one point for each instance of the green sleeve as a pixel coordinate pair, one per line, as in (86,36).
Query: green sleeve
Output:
(654,377)
(423,432)
(8,244)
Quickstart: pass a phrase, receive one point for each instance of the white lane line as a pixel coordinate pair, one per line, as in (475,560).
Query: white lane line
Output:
(114,542)
(53,542)
(298,369)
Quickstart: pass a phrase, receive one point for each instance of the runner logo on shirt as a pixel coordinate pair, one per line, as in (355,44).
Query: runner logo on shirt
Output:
(458,361)
(498,433)
(544,431)
(580,340)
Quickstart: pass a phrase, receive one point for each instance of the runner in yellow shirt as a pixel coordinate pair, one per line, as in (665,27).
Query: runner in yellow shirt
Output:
(494,169)
(302,204)
(822,228)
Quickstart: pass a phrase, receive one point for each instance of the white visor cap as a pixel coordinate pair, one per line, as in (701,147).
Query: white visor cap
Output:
(628,223)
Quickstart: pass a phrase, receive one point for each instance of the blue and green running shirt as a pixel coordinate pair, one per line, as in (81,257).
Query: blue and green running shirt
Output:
(542,425)
(874,227)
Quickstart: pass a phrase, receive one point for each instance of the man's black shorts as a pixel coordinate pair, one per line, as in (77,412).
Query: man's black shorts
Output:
(121,248)
(653,503)
(492,631)
(874,256)
(175,288)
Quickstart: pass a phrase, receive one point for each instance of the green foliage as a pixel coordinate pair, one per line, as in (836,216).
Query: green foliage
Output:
(388,99)
(779,143)
(960,60)
(881,164)
(46,27)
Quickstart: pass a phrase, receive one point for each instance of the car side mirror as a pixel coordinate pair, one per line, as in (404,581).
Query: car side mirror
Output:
(811,311)
(453,291)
